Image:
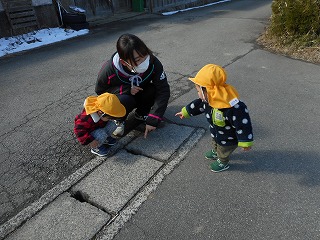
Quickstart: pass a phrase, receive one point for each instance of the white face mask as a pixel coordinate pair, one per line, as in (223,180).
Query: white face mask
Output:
(142,67)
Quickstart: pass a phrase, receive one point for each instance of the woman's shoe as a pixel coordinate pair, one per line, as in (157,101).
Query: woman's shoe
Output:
(119,130)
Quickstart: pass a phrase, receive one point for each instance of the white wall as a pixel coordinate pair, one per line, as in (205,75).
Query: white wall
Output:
(41,2)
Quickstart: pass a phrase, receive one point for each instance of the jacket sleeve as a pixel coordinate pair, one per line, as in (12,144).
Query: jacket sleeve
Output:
(81,130)
(162,95)
(240,119)
(193,109)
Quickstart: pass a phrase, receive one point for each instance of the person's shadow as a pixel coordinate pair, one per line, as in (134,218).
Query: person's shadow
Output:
(305,164)
(262,158)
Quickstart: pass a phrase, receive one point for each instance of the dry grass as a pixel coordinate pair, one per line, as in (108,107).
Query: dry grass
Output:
(309,54)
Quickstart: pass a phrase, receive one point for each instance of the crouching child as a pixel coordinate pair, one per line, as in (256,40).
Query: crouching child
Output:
(229,119)
(95,124)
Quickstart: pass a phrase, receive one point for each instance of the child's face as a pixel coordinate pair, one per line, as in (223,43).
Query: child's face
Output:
(202,93)
(104,117)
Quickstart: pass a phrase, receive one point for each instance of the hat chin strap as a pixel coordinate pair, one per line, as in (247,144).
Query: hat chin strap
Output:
(118,65)
(95,117)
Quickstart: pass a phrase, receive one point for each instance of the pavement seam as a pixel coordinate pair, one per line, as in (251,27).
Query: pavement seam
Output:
(114,225)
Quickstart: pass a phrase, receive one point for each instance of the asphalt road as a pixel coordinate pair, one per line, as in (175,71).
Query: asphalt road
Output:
(274,187)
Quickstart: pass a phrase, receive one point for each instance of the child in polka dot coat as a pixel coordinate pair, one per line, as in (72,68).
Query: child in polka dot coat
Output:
(229,119)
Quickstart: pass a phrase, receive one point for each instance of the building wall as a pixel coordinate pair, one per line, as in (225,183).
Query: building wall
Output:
(47,16)
(171,5)
(44,10)
(95,9)
(41,2)
(4,23)
(46,13)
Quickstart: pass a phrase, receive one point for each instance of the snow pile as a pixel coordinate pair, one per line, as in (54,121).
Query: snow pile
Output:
(188,9)
(9,45)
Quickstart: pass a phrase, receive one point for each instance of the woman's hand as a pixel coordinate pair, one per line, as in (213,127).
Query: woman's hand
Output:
(180,115)
(135,90)
(149,128)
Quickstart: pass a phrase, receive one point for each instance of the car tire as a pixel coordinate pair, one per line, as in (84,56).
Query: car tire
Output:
(78,26)
(73,18)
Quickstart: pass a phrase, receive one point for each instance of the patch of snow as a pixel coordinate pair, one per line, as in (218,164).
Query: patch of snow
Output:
(188,9)
(77,9)
(9,45)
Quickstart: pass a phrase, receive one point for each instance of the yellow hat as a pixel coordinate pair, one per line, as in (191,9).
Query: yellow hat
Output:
(107,103)
(220,94)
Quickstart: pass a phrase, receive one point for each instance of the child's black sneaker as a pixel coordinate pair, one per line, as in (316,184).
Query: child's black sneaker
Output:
(101,151)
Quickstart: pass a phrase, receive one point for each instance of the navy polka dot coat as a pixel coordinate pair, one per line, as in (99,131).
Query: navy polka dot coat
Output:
(228,126)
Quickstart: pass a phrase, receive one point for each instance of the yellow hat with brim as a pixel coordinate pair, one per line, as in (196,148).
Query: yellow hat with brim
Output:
(220,94)
(107,103)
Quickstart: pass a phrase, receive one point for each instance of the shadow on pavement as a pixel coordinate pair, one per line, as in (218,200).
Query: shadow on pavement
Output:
(305,164)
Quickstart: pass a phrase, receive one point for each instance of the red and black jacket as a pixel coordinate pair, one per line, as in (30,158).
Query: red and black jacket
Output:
(84,125)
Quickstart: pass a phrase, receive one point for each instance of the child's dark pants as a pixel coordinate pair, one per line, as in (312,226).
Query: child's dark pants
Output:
(223,152)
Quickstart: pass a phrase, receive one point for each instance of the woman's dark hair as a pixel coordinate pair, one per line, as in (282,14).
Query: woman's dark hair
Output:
(129,42)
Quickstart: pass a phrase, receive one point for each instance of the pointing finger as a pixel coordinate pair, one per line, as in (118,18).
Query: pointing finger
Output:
(145,133)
